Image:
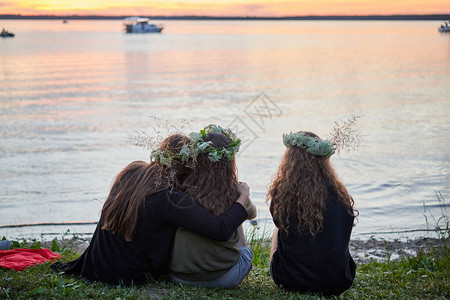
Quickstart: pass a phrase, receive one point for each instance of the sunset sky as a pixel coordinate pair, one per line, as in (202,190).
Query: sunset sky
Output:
(275,8)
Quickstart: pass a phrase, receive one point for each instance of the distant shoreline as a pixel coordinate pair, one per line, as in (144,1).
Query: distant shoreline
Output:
(435,17)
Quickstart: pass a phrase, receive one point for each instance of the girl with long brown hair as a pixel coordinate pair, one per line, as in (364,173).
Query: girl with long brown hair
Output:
(197,260)
(313,214)
(134,237)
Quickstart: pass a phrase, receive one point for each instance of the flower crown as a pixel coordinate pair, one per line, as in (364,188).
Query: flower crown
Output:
(198,145)
(313,145)
(216,154)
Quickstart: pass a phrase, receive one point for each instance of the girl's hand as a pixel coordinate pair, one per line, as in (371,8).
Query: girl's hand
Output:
(243,189)
(244,193)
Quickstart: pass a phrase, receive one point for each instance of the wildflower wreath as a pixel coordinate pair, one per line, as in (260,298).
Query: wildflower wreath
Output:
(198,145)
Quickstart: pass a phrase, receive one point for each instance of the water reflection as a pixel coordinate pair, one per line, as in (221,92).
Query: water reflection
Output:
(72,95)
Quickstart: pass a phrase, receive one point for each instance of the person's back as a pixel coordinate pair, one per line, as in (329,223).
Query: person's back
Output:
(111,258)
(197,260)
(321,263)
(314,214)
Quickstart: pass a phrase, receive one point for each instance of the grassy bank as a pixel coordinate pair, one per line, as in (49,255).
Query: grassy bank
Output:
(424,276)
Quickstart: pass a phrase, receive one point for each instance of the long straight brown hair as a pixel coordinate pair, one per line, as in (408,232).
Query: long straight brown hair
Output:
(301,186)
(213,185)
(136,181)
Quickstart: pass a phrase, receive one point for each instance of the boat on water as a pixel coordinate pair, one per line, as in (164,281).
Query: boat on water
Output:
(140,25)
(444,28)
(5,33)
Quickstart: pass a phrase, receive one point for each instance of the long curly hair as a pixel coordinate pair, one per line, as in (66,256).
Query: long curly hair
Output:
(300,187)
(137,180)
(213,185)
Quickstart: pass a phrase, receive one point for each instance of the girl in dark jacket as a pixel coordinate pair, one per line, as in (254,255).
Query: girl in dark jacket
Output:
(134,237)
(314,214)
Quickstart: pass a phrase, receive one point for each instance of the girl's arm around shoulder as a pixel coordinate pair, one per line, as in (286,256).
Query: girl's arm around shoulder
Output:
(180,209)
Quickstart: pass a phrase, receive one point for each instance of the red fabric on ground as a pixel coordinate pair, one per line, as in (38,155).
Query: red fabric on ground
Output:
(18,259)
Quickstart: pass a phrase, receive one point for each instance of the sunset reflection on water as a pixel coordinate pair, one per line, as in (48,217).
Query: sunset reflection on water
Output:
(74,95)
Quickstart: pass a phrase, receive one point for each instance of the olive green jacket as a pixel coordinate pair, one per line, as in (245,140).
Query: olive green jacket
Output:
(196,258)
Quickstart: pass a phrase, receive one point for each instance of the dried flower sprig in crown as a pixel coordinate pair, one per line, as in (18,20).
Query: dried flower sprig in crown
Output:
(162,127)
(343,136)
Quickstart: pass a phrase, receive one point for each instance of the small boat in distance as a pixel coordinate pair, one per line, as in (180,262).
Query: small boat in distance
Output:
(5,33)
(65,21)
(444,28)
(140,25)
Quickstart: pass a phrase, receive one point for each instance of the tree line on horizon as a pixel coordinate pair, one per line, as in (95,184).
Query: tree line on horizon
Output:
(429,17)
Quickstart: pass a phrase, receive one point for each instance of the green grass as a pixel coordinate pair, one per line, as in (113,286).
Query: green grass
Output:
(425,276)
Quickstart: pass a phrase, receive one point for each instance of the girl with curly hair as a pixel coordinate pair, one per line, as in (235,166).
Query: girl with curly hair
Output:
(313,214)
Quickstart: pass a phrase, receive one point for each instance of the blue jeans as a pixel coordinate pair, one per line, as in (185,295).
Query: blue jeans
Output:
(230,279)
(6,245)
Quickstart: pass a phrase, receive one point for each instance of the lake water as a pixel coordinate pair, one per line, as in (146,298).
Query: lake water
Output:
(73,98)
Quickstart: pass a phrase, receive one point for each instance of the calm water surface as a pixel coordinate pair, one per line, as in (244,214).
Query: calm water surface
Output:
(73,97)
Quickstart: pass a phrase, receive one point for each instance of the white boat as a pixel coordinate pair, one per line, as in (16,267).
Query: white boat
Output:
(444,28)
(140,25)
(5,33)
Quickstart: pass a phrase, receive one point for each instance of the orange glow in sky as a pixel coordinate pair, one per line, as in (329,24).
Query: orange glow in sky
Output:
(274,8)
